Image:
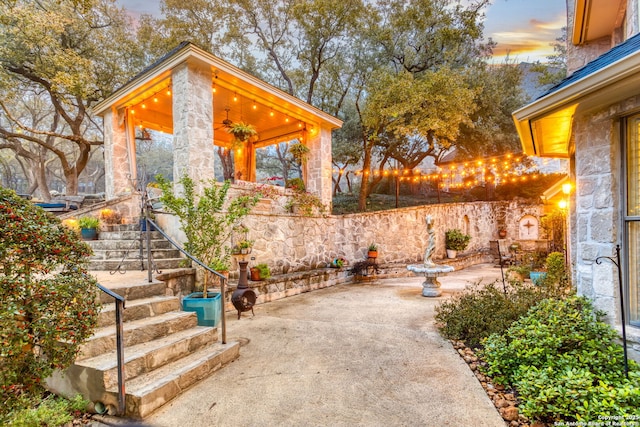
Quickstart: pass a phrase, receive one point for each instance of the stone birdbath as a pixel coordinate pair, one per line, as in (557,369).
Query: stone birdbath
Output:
(429,269)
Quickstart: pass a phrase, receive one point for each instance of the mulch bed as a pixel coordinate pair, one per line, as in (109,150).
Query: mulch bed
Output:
(504,399)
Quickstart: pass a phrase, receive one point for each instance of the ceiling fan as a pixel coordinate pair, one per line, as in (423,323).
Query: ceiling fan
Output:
(226,123)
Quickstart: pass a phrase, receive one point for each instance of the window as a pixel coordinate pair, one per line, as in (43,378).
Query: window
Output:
(632,215)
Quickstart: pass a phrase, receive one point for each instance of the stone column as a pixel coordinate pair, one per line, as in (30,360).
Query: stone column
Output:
(318,179)
(242,156)
(193,150)
(117,163)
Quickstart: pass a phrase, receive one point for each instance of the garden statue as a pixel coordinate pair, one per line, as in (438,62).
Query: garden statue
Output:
(429,269)
(431,244)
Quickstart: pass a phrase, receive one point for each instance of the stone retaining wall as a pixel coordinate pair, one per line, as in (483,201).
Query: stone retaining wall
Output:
(182,282)
(290,243)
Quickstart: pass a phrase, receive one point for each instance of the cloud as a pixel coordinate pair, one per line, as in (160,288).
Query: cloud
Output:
(554,25)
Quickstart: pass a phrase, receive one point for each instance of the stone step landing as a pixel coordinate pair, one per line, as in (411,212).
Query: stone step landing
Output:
(147,393)
(134,264)
(165,351)
(118,246)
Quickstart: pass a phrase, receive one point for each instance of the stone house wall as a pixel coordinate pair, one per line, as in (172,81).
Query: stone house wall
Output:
(598,204)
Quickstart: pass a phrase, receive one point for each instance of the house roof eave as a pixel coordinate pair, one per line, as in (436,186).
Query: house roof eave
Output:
(190,52)
(584,94)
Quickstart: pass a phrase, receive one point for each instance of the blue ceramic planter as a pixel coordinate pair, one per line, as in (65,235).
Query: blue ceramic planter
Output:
(537,277)
(88,233)
(207,309)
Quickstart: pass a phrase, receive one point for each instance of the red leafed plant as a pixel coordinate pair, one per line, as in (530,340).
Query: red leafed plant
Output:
(48,303)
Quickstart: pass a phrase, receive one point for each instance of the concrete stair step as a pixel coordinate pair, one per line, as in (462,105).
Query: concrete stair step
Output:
(137,331)
(150,391)
(134,264)
(126,235)
(131,245)
(134,226)
(112,254)
(133,291)
(146,357)
(138,309)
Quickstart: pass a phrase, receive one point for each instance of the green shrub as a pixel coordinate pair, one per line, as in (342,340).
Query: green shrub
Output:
(52,411)
(208,219)
(48,301)
(564,363)
(88,222)
(296,184)
(265,271)
(557,278)
(456,240)
(482,310)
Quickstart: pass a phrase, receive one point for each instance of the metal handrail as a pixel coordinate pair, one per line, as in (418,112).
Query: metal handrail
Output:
(119,345)
(223,279)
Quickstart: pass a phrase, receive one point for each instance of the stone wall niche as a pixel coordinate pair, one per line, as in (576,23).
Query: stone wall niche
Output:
(528,228)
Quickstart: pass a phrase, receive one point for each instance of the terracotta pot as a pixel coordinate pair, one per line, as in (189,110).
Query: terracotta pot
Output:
(255,274)
(502,234)
(372,254)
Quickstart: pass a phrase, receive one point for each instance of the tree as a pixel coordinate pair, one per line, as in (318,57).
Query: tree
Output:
(555,68)
(407,77)
(492,131)
(48,304)
(288,43)
(345,150)
(415,104)
(57,59)
(208,220)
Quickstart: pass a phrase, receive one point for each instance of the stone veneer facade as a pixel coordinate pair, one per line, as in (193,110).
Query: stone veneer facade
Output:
(290,243)
(596,169)
(597,166)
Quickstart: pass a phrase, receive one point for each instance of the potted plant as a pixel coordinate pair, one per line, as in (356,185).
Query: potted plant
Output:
(260,272)
(88,227)
(243,247)
(304,203)
(538,269)
(455,240)
(300,152)
(208,221)
(242,131)
(143,222)
(110,217)
(372,251)
(338,262)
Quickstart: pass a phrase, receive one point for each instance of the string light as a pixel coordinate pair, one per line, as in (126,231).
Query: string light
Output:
(490,170)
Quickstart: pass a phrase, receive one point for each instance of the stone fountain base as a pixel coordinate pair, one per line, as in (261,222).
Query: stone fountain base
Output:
(431,285)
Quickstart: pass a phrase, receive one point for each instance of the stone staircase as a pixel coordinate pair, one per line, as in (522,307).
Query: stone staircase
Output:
(123,241)
(165,352)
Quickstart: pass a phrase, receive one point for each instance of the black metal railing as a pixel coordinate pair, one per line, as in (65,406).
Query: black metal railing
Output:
(223,279)
(119,300)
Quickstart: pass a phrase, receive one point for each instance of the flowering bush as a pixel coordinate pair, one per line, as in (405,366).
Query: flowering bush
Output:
(48,302)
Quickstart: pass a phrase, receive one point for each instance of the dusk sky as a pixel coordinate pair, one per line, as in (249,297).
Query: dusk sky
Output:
(523,28)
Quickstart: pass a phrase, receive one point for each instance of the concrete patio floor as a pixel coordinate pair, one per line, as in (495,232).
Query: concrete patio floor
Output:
(363,354)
